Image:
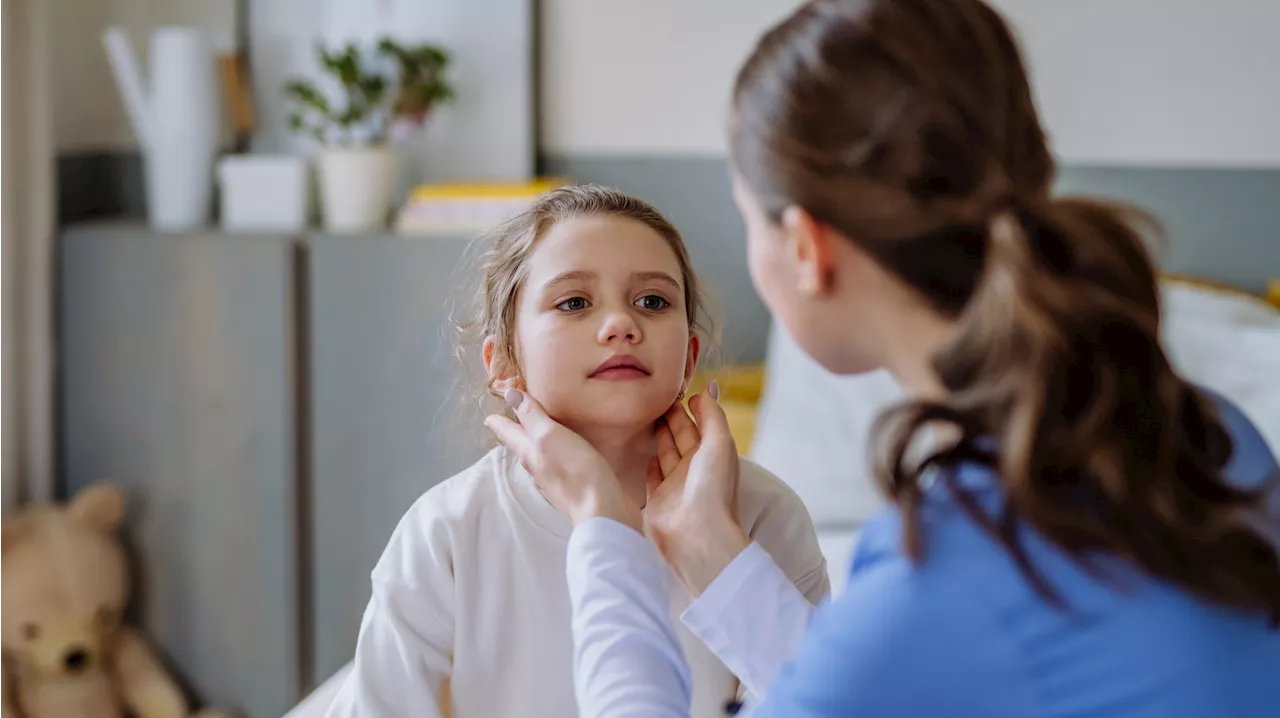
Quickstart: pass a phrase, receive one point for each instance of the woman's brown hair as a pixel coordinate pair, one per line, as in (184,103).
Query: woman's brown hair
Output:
(909,126)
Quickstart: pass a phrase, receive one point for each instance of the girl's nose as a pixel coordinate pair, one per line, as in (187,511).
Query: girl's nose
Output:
(619,326)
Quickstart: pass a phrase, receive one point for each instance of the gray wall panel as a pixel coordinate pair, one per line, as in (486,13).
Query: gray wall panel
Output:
(387,408)
(176,384)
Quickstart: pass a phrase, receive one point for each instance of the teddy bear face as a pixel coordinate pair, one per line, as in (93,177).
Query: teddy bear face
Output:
(65,587)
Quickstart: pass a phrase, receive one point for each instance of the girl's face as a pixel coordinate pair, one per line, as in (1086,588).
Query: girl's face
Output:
(601,332)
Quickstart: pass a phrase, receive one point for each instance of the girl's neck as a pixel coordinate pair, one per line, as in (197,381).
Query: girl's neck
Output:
(628,452)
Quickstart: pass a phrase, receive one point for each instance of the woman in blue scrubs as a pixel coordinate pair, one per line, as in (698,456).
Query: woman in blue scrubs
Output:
(1075,530)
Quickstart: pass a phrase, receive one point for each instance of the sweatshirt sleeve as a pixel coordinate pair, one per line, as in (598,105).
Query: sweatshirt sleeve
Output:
(404,652)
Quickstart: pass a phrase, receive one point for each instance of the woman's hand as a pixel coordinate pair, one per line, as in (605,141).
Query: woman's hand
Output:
(691,511)
(568,471)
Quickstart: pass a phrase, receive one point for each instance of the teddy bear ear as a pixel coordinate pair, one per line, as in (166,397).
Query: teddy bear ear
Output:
(11,534)
(99,505)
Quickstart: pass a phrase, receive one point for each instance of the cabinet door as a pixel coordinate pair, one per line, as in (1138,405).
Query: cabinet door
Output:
(390,415)
(177,384)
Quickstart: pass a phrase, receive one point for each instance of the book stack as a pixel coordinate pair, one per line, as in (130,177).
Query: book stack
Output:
(468,208)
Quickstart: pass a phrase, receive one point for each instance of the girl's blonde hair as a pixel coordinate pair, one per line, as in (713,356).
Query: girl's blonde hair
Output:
(503,265)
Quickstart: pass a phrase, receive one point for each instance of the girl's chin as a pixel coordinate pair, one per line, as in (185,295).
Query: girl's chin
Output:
(612,417)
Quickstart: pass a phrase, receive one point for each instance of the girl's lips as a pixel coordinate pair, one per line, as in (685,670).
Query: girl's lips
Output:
(620,373)
(621,367)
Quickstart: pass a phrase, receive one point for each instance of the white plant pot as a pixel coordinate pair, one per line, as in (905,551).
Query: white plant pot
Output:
(355,188)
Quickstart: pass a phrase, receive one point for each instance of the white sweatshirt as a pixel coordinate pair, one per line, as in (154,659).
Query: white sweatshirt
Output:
(470,614)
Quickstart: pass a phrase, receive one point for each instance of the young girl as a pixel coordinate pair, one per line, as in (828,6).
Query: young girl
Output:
(590,307)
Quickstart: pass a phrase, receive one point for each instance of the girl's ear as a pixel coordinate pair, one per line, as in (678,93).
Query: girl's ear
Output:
(496,366)
(488,351)
(691,360)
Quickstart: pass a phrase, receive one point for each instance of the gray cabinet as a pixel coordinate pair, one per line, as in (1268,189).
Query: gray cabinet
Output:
(389,407)
(272,405)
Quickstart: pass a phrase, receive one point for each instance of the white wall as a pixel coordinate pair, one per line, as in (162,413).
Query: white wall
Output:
(88,114)
(1119,81)
(621,76)
(487,133)
(1156,81)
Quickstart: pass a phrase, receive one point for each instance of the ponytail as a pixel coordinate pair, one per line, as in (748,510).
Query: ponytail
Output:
(1101,447)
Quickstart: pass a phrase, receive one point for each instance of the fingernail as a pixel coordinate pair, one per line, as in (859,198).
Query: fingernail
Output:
(714,390)
(513,397)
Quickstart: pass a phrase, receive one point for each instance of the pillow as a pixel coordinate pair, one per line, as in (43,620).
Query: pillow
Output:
(1228,342)
(812,431)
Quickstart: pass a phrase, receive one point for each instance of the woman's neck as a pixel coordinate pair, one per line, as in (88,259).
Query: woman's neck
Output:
(628,452)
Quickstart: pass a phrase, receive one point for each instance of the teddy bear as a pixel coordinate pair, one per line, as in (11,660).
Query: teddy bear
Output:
(67,652)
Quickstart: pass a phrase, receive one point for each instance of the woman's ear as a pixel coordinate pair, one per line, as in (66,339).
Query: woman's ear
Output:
(812,250)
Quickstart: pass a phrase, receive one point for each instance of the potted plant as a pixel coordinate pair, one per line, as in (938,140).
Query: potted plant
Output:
(393,86)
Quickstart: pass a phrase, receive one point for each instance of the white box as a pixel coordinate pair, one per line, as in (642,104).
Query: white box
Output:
(263,193)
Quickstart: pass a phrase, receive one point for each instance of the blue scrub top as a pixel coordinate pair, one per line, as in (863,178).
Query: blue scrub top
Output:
(963,634)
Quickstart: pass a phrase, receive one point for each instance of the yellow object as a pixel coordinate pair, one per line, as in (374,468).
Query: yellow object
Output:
(485,190)
(468,207)
(740,390)
(1270,301)
(61,662)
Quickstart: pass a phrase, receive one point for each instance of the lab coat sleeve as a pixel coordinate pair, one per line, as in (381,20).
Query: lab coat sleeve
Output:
(627,657)
(752,617)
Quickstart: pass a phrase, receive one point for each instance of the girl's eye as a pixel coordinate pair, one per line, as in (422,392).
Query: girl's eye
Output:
(652,303)
(572,304)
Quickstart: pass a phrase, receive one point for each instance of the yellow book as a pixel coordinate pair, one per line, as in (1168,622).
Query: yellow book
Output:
(484,190)
(468,207)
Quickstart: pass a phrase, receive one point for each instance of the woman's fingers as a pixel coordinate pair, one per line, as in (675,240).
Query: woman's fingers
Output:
(668,454)
(530,413)
(683,429)
(511,434)
(712,422)
(653,479)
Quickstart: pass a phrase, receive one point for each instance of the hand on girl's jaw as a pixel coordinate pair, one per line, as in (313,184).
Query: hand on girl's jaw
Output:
(691,512)
(692,488)
(566,468)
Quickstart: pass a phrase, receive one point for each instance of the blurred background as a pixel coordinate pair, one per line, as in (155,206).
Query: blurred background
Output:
(235,234)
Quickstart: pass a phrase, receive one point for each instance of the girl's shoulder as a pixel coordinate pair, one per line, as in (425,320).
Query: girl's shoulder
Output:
(773,516)
(761,493)
(427,535)
(462,495)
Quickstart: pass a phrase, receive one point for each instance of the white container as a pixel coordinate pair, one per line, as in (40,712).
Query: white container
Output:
(177,118)
(355,188)
(263,193)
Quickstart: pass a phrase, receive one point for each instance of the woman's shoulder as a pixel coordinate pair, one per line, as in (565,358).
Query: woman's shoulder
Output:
(1252,463)
(871,648)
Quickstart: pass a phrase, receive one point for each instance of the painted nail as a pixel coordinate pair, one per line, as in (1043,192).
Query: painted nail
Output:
(714,390)
(513,397)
